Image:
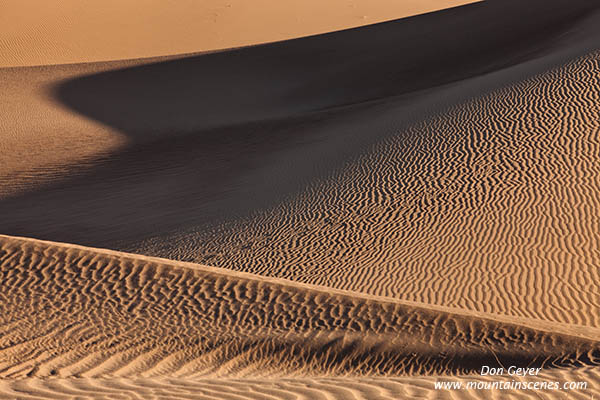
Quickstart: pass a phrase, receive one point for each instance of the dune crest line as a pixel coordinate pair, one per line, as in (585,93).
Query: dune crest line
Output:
(76,312)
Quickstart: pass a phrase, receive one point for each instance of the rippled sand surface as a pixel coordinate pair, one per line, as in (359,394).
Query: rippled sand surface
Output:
(491,205)
(73,312)
(353,215)
(301,389)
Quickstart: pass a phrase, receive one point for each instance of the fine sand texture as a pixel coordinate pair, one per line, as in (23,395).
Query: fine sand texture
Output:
(465,175)
(493,205)
(39,32)
(70,312)
(357,214)
(421,387)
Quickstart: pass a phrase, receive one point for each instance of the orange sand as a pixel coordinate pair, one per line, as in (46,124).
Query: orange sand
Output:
(354,215)
(70,31)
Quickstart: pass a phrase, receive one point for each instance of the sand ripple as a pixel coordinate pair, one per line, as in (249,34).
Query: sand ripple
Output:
(71,311)
(493,205)
(285,388)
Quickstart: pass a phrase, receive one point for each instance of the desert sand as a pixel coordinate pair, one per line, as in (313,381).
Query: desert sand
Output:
(356,214)
(70,31)
(108,314)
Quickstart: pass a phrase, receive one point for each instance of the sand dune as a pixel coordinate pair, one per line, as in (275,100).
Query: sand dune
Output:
(75,312)
(492,205)
(42,33)
(292,78)
(47,131)
(450,195)
(382,208)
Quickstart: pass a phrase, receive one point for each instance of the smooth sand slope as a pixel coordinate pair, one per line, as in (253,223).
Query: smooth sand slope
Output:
(459,170)
(74,312)
(68,31)
(42,139)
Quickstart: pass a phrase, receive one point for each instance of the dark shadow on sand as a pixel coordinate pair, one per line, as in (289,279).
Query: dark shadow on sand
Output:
(296,76)
(223,134)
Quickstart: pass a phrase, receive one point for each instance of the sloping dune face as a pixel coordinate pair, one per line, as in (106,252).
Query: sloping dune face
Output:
(472,184)
(70,31)
(58,120)
(448,161)
(294,78)
(492,205)
(74,312)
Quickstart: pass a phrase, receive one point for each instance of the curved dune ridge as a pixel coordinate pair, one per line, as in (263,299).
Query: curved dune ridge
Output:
(492,205)
(462,194)
(381,208)
(74,312)
(59,120)
(43,141)
(42,33)
(297,389)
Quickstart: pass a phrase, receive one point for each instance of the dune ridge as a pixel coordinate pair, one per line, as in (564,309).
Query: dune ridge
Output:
(35,33)
(453,205)
(126,106)
(354,215)
(492,205)
(288,79)
(570,329)
(75,312)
